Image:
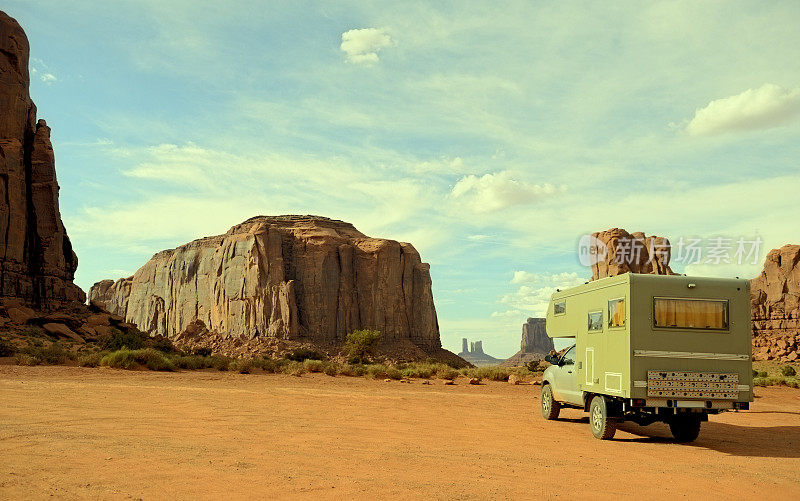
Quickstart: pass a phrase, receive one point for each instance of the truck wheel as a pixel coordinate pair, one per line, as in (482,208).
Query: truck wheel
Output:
(602,426)
(685,428)
(550,408)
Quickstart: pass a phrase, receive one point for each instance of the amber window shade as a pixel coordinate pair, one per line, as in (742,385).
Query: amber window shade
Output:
(616,313)
(691,313)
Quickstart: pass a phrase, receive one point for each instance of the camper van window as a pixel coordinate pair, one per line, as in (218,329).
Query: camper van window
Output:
(560,308)
(711,314)
(595,321)
(616,313)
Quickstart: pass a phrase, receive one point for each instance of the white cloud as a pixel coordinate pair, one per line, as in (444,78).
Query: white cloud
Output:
(362,45)
(522,277)
(48,78)
(494,192)
(509,313)
(532,298)
(762,108)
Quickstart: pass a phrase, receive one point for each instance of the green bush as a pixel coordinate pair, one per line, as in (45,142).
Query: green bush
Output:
(25,359)
(202,352)
(314,365)
(163,343)
(49,355)
(393,373)
(192,362)
(763,374)
(241,365)
(119,359)
(91,359)
(331,369)
(788,370)
(302,354)
(220,362)
(132,339)
(362,343)
(755,373)
(447,373)
(353,370)
(6,349)
(533,366)
(130,359)
(32,331)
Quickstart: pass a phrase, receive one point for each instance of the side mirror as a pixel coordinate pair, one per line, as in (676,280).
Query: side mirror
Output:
(551,359)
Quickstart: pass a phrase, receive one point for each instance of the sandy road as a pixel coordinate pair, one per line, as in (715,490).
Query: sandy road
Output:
(102,433)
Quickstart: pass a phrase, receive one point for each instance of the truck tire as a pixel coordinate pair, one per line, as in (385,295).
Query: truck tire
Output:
(685,428)
(603,426)
(550,408)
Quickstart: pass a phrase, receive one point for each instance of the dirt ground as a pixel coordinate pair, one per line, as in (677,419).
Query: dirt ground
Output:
(74,432)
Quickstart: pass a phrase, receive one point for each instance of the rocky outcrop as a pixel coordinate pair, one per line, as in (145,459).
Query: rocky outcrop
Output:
(618,252)
(37,264)
(475,354)
(302,278)
(535,343)
(775,306)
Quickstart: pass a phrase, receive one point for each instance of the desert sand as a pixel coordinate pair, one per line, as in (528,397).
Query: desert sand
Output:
(75,432)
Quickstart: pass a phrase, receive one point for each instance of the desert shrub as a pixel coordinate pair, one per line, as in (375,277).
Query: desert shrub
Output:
(202,351)
(302,354)
(393,373)
(292,368)
(49,355)
(314,365)
(424,370)
(191,362)
(763,374)
(447,373)
(769,381)
(132,339)
(241,365)
(163,343)
(362,343)
(267,364)
(25,359)
(376,371)
(91,359)
(32,331)
(130,359)
(353,370)
(788,370)
(119,359)
(6,349)
(533,365)
(331,369)
(220,362)
(755,373)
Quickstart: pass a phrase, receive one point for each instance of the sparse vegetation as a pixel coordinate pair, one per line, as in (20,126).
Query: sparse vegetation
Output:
(360,344)
(772,373)
(788,371)
(130,359)
(38,354)
(132,340)
(7,349)
(241,365)
(302,354)
(91,359)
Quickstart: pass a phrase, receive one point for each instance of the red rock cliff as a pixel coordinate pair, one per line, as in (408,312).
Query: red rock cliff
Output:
(37,263)
(288,277)
(775,306)
(630,252)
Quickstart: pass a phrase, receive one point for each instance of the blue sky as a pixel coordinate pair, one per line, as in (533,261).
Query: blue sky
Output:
(491,138)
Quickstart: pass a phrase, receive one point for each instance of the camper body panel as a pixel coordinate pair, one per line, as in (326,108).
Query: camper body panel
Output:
(615,359)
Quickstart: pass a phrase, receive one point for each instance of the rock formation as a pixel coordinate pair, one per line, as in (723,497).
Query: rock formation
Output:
(300,278)
(535,343)
(475,354)
(775,306)
(37,264)
(621,252)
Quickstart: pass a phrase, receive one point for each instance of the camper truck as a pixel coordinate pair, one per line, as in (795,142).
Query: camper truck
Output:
(650,348)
